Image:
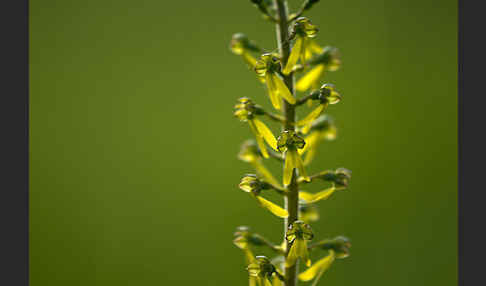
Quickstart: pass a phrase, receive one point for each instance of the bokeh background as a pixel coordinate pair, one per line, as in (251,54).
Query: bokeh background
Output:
(133,144)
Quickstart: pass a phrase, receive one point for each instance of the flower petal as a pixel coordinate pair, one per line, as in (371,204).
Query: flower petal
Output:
(304,253)
(294,55)
(282,89)
(321,265)
(322,195)
(292,256)
(249,59)
(266,133)
(288,168)
(252,281)
(266,282)
(310,78)
(310,142)
(273,208)
(259,139)
(265,173)
(299,165)
(276,281)
(272,90)
(312,115)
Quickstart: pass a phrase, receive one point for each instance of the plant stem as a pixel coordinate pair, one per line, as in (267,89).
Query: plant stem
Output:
(292,198)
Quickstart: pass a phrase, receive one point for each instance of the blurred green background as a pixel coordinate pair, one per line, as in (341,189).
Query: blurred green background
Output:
(133,144)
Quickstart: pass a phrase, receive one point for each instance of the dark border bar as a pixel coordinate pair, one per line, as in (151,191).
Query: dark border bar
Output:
(14,157)
(472,142)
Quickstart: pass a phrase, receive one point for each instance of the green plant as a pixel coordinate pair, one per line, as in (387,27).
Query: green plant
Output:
(298,138)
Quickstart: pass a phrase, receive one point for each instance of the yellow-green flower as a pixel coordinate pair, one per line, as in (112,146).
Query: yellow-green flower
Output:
(303,29)
(338,248)
(288,142)
(322,128)
(307,212)
(328,60)
(250,153)
(241,241)
(242,46)
(340,245)
(246,111)
(318,268)
(268,67)
(339,178)
(251,184)
(261,269)
(326,95)
(339,181)
(298,234)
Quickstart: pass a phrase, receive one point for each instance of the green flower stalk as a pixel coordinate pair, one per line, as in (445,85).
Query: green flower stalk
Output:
(298,58)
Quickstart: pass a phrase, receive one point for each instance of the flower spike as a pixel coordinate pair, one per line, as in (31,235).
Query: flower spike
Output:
(297,53)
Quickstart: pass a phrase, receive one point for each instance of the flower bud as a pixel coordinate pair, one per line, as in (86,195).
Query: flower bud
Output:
(328,94)
(241,237)
(261,267)
(339,244)
(250,183)
(340,177)
(240,43)
(303,27)
(246,109)
(330,58)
